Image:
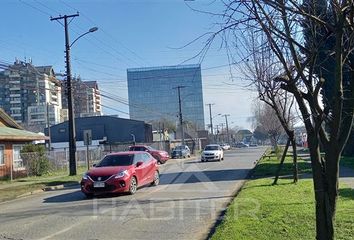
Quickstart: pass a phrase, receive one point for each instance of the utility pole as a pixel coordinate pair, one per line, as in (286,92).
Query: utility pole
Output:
(227,128)
(211,119)
(180,111)
(222,131)
(71,120)
(48,126)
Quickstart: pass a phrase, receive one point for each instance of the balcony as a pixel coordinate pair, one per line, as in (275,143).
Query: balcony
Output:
(15,88)
(14,76)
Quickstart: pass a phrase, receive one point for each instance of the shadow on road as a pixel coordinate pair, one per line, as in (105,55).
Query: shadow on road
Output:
(66,197)
(78,196)
(187,177)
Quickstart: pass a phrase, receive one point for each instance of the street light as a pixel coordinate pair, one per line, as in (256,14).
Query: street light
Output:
(71,116)
(91,30)
(71,120)
(219,114)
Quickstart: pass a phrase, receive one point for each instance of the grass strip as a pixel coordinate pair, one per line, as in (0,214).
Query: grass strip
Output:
(12,189)
(284,211)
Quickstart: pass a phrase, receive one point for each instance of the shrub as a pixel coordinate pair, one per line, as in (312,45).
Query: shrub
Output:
(35,159)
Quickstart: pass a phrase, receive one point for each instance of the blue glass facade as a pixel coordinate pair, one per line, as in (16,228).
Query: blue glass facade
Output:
(153,94)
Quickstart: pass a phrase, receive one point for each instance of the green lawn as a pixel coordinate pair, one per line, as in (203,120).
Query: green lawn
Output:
(284,211)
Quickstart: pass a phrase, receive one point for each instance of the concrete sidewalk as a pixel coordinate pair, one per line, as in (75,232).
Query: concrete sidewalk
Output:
(346,176)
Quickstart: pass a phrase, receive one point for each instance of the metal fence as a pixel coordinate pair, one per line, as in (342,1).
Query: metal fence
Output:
(59,158)
(55,162)
(32,164)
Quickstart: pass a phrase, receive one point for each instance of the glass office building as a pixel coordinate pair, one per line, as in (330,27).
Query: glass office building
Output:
(153,94)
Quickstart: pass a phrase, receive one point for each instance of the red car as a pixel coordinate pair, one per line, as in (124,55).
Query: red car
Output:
(161,156)
(121,172)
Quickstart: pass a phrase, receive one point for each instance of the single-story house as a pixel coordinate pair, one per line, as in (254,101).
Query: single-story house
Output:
(12,138)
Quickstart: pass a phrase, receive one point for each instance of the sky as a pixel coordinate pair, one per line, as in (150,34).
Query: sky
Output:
(131,33)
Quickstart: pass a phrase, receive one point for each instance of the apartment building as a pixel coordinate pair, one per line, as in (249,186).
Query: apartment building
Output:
(31,95)
(86,96)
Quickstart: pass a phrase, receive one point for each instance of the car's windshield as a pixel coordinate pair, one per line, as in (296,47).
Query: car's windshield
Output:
(116,160)
(150,148)
(211,148)
(180,147)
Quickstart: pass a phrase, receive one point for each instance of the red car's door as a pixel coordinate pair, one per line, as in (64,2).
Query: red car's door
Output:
(140,170)
(150,167)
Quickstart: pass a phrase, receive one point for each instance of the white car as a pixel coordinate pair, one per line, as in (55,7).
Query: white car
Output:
(212,152)
(225,146)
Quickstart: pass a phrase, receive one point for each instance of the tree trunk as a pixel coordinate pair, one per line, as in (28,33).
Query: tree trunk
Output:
(295,166)
(332,162)
(324,211)
(281,162)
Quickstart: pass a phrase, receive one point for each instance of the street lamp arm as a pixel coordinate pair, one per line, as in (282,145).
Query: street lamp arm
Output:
(216,115)
(94,29)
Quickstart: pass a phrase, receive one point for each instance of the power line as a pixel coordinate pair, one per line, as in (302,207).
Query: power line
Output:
(106,33)
(45,6)
(36,8)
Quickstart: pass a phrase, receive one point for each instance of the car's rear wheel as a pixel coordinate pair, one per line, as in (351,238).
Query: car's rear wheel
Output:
(156,179)
(133,186)
(159,160)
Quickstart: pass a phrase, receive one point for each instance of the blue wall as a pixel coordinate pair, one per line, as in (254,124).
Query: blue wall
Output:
(114,129)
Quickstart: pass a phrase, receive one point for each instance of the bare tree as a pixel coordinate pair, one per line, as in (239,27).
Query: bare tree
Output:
(261,69)
(265,116)
(282,22)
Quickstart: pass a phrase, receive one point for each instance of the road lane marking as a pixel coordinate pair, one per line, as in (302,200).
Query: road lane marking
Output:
(64,230)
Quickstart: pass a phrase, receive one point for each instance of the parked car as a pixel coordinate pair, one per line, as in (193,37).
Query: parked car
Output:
(241,145)
(181,151)
(225,146)
(121,172)
(161,156)
(253,145)
(212,152)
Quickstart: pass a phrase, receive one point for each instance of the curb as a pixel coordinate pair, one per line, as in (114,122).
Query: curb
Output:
(30,193)
(48,189)
(59,187)
(45,189)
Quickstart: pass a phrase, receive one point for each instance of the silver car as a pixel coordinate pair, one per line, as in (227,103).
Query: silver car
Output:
(212,152)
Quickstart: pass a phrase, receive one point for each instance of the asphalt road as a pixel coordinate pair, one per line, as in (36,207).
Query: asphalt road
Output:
(185,205)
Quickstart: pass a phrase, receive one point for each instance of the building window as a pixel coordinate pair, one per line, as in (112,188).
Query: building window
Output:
(2,155)
(18,162)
